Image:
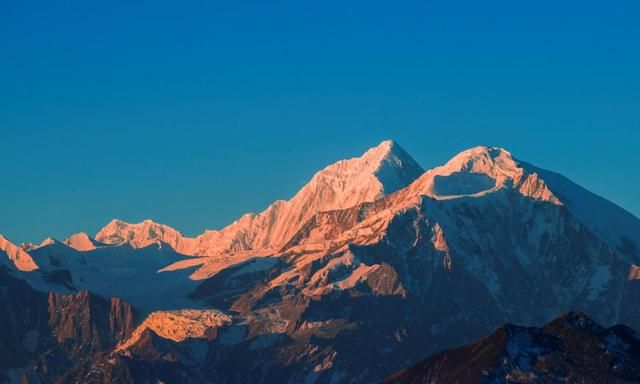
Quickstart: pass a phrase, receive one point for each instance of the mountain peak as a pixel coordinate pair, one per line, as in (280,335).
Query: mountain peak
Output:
(396,168)
(493,161)
(379,152)
(381,170)
(81,241)
(138,235)
(48,241)
(576,321)
(481,170)
(18,256)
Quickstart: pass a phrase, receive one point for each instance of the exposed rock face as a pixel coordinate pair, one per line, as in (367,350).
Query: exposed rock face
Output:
(570,349)
(179,325)
(85,323)
(43,336)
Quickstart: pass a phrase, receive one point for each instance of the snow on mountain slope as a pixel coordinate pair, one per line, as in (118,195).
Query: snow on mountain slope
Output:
(82,242)
(18,256)
(48,241)
(138,235)
(493,219)
(469,177)
(472,173)
(616,226)
(121,271)
(478,171)
(179,325)
(412,270)
(379,171)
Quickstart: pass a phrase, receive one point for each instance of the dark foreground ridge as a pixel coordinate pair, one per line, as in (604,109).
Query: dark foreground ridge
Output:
(570,349)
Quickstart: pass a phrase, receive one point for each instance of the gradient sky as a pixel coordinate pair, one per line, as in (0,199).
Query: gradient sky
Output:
(194,112)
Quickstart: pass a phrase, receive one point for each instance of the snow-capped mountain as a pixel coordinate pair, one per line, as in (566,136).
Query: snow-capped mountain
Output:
(82,242)
(139,235)
(371,266)
(347,183)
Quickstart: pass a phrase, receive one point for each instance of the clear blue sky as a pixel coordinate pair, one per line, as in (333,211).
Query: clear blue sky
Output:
(194,112)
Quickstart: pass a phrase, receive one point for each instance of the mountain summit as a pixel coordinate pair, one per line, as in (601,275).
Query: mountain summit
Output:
(138,235)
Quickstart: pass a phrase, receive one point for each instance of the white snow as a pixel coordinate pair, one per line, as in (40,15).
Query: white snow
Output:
(347,183)
(122,271)
(81,242)
(614,225)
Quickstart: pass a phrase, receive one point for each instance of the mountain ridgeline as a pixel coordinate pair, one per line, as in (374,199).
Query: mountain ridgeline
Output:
(371,267)
(569,349)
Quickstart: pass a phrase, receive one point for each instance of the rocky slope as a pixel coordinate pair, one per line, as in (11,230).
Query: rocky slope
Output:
(570,349)
(44,336)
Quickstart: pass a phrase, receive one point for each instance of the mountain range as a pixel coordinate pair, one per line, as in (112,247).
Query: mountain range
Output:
(372,266)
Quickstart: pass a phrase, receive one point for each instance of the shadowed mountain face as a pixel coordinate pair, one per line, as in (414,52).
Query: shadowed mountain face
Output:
(569,349)
(44,336)
(371,267)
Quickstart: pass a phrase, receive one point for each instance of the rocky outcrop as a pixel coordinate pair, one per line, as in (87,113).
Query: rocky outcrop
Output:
(84,323)
(43,336)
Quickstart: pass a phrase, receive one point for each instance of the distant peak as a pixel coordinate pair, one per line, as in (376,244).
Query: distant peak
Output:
(481,170)
(382,150)
(494,161)
(81,241)
(482,152)
(386,144)
(138,235)
(381,170)
(48,241)
(18,256)
(117,223)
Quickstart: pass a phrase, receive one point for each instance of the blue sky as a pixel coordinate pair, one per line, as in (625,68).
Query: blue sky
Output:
(192,113)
